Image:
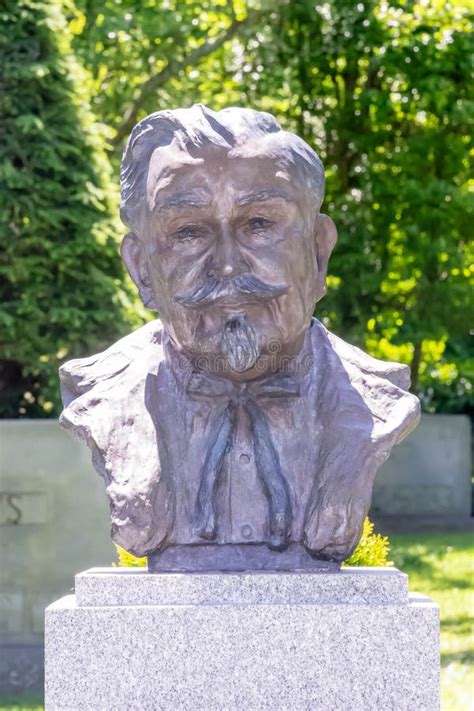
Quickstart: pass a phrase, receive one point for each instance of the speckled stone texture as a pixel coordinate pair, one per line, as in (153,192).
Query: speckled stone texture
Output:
(113,586)
(353,640)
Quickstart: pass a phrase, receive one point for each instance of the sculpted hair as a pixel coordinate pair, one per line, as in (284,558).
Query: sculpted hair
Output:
(233,130)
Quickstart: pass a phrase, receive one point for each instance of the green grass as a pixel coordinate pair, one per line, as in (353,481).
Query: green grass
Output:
(22,702)
(440,566)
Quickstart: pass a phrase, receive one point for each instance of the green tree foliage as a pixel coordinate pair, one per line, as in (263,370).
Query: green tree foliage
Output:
(150,54)
(380,88)
(61,280)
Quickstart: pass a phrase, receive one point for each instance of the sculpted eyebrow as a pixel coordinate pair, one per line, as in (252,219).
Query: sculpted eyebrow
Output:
(180,200)
(262,196)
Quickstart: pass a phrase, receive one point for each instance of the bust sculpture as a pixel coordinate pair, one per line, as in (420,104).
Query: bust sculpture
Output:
(235,432)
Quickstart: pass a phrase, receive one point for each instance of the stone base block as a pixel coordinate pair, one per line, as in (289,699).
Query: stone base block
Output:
(353,640)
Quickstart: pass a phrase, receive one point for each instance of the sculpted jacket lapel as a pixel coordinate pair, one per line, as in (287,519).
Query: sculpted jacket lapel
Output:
(364,411)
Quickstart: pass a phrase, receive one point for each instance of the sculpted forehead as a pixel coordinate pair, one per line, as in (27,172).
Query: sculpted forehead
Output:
(251,165)
(214,177)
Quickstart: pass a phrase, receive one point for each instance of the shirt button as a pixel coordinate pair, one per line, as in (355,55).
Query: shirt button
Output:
(244,458)
(246,531)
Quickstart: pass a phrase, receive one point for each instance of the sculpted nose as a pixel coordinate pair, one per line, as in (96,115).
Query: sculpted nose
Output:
(227,259)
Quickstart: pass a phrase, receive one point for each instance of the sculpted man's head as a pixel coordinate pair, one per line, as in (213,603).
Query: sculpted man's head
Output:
(227,241)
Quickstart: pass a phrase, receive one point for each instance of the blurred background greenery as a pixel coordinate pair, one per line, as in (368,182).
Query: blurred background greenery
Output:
(380,89)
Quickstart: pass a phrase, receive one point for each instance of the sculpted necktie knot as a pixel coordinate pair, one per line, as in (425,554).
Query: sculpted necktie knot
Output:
(247,395)
(274,386)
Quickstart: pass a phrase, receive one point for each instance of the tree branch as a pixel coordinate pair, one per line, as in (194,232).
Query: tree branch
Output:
(173,67)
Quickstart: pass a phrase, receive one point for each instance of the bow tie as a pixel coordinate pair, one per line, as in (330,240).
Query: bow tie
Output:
(247,396)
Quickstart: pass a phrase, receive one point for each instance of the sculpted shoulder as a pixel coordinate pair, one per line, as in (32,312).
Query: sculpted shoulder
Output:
(104,395)
(382,387)
(105,406)
(137,349)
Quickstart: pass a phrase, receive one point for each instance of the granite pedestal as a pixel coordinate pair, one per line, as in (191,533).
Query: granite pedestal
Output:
(354,640)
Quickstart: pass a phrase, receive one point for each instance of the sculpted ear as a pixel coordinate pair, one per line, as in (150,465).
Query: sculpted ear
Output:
(134,257)
(325,235)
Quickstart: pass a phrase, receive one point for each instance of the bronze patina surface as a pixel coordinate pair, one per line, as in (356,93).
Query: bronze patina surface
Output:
(236,419)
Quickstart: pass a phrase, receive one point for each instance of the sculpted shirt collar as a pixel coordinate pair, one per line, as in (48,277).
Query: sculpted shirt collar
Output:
(298,367)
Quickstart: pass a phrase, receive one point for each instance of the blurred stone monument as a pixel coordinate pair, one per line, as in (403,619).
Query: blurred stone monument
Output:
(238,440)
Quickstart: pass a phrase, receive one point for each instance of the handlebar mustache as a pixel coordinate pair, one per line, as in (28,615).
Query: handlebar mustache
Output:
(214,290)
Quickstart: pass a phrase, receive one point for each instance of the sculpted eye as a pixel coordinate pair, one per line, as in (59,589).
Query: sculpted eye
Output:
(188,233)
(258,224)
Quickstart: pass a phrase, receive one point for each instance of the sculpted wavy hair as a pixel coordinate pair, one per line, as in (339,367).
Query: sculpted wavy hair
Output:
(239,132)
